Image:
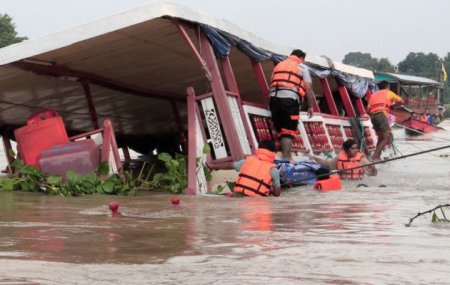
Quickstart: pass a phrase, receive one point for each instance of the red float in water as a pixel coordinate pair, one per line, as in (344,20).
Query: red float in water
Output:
(175,200)
(114,207)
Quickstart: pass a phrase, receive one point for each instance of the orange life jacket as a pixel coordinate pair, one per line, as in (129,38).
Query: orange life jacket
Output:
(344,162)
(287,74)
(254,178)
(379,102)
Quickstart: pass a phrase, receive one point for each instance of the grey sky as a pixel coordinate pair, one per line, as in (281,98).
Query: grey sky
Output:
(384,28)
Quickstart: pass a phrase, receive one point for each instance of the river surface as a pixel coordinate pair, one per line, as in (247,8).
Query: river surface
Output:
(353,236)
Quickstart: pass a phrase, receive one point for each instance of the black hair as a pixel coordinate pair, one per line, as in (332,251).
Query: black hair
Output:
(298,53)
(348,144)
(383,84)
(267,144)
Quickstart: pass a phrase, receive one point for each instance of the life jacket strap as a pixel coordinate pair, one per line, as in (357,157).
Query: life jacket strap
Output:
(260,181)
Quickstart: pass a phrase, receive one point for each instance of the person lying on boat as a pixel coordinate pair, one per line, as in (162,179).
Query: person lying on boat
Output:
(349,157)
(258,175)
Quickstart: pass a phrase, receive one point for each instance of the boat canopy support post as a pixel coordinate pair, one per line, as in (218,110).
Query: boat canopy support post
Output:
(220,97)
(315,106)
(90,102)
(197,182)
(360,106)
(208,62)
(191,44)
(192,142)
(109,147)
(232,85)
(262,81)
(347,101)
(126,153)
(329,97)
(181,130)
(8,152)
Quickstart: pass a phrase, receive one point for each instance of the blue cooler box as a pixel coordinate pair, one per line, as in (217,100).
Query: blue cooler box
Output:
(81,157)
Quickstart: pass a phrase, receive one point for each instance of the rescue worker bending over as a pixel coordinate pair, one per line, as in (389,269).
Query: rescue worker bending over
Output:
(258,175)
(349,157)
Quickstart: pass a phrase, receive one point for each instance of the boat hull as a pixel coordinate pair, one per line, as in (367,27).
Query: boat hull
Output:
(417,127)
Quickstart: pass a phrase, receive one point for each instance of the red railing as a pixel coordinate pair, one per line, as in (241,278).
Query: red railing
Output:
(109,144)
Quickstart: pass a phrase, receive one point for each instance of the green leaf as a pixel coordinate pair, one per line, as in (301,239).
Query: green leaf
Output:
(206,148)
(103,168)
(219,189)
(208,174)
(73,177)
(230,184)
(7,184)
(164,156)
(17,164)
(434,218)
(54,180)
(91,178)
(108,187)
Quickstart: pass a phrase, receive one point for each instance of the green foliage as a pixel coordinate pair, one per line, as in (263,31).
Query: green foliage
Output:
(8,34)
(30,179)
(365,60)
(221,188)
(420,64)
(175,180)
(436,219)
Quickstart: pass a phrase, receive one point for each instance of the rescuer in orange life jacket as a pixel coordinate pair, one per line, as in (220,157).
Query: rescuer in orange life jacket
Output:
(379,109)
(258,175)
(348,157)
(289,89)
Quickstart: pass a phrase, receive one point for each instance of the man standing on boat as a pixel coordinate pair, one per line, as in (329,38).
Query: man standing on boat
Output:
(379,109)
(291,83)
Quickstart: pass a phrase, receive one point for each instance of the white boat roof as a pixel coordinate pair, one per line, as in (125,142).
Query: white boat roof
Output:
(410,78)
(136,62)
(140,15)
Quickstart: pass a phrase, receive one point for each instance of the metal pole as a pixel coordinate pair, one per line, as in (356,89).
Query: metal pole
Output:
(92,111)
(377,162)
(329,97)
(192,142)
(346,100)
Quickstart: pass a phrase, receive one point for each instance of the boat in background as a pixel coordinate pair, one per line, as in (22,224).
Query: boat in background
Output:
(415,127)
(420,95)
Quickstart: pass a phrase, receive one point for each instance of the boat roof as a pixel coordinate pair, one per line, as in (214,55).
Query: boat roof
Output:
(136,62)
(404,78)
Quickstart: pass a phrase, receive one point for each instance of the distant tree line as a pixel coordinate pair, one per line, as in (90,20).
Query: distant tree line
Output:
(8,34)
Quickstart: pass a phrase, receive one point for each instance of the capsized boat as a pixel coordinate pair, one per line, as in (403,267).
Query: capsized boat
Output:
(173,79)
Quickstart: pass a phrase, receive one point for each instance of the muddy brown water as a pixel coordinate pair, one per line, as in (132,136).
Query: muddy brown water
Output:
(353,236)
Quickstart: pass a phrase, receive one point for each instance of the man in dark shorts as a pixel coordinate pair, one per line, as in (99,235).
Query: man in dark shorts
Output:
(379,109)
(289,88)
(380,122)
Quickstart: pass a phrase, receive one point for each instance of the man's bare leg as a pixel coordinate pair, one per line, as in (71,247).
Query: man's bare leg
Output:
(286,148)
(383,140)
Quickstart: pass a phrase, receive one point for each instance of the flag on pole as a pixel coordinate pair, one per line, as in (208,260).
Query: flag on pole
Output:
(444,73)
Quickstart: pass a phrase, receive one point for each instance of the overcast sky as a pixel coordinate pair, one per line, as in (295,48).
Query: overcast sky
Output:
(384,28)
